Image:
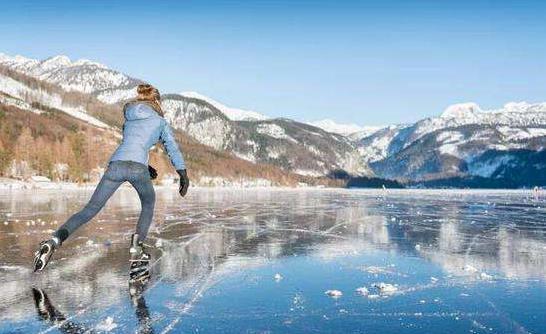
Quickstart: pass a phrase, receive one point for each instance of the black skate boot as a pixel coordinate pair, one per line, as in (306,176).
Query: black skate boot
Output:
(44,253)
(140,259)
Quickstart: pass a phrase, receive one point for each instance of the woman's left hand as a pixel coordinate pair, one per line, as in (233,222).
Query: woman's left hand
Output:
(184,182)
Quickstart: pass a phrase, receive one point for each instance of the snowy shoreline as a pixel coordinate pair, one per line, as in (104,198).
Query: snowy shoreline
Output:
(7,184)
(14,184)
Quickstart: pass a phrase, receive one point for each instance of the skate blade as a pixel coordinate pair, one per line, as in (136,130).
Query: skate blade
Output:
(139,276)
(38,263)
(139,280)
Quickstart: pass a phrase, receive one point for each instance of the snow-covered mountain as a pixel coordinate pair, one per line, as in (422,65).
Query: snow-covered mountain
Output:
(82,76)
(291,145)
(463,141)
(26,96)
(63,125)
(107,85)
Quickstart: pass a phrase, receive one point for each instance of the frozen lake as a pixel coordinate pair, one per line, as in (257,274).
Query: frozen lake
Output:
(282,261)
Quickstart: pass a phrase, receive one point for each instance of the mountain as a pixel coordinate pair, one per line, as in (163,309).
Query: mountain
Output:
(69,136)
(292,146)
(464,141)
(288,144)
(464,145)
(83,75)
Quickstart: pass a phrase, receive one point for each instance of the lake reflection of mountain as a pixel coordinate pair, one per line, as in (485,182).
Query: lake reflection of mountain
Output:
(213,235)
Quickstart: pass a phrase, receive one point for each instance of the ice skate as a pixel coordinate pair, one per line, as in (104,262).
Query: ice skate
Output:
(140,259)
(44,253)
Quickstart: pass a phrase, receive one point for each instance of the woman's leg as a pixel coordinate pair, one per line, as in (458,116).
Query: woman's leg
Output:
(106,187)
(146,193)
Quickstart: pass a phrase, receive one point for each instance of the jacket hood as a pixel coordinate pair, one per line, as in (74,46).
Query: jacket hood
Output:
(137,110)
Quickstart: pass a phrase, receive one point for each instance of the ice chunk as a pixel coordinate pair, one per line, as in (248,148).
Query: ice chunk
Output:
(486,277)
(298,302)
(385,288)
(377,270)
(106,325)
(278,277)
(334,293)
(470,269)
(363,291)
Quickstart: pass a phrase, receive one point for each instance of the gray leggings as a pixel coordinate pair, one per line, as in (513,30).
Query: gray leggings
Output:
(117,173)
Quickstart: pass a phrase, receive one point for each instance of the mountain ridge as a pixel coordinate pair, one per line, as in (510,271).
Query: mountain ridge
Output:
(456,143)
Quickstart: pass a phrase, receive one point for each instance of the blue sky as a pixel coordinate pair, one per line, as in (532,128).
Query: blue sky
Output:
(366,62)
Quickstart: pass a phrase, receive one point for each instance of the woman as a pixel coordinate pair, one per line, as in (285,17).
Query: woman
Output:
(144,126)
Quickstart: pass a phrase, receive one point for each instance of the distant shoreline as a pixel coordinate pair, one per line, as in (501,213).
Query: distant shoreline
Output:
(7,184)
(15,184)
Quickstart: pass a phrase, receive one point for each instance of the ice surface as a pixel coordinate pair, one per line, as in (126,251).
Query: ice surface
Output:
(247,261)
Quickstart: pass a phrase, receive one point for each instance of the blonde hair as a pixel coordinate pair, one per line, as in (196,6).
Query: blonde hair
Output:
(150,95)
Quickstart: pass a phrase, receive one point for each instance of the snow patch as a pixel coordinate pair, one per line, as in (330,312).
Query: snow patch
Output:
(449,137)
(308,172)
(274,131)
(24,92)
(332,126)
(233,114)
(461,111)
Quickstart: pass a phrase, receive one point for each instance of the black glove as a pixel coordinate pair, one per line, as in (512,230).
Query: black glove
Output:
(153,172)
(184,182)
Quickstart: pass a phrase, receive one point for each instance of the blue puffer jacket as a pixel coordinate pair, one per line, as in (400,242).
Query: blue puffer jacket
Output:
(142,129)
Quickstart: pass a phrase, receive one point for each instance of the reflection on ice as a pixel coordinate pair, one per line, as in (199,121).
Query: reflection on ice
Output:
(427,248)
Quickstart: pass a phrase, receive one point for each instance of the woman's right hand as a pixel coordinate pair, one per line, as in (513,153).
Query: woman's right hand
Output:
(184,182)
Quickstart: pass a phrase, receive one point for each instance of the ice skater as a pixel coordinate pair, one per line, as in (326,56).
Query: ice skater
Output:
(144,126)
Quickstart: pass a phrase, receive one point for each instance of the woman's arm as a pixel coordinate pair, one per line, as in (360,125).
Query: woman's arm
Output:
(168,141)
(173,151)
